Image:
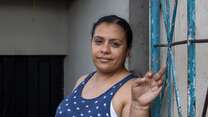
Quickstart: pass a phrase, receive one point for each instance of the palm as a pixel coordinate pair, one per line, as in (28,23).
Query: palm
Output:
(145,90)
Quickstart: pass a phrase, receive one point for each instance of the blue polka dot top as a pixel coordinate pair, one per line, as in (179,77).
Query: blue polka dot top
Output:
(76,106)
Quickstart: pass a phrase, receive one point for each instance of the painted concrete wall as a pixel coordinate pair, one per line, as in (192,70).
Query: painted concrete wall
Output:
(63,27)
(139,21)
(180,52)
(28,28)
(81,15)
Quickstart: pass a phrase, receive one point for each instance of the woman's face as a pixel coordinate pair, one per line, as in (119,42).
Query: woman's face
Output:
(109,47)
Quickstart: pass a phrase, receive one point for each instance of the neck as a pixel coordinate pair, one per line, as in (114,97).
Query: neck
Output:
(110,75)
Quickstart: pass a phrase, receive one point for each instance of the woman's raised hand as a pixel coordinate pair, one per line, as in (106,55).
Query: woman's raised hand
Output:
(146,89)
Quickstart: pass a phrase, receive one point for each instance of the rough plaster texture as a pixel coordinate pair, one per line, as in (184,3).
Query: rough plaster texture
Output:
(139,21)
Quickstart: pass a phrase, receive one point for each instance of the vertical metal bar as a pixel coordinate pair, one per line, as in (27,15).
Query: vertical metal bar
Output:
(155,52)
(170,95)
(172,28)
(166,19)
(205,105)
(191,59)
(178,101)
(171,74)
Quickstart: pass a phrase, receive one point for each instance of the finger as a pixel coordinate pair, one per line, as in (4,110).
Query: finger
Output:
(139,82)
(156,83)
(162,70)
(160,82)
(159,74)
(149,74)
(148,78)
(158,91)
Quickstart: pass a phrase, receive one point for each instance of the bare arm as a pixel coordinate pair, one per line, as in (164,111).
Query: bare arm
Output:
(133,110)
(143,92)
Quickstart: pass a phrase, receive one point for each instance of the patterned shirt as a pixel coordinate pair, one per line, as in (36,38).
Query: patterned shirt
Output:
(75,105)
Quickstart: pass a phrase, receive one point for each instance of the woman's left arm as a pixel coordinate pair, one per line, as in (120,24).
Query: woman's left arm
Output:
(143,92)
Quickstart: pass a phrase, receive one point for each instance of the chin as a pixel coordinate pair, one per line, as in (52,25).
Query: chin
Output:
(105,69)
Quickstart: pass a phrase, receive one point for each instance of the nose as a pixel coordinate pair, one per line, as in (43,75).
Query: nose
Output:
(105,49)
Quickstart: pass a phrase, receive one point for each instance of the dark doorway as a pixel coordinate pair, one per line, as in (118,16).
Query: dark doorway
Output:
(30,86)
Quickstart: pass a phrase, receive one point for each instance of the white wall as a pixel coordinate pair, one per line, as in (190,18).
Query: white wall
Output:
(27,29)
(81,15)
(181,54)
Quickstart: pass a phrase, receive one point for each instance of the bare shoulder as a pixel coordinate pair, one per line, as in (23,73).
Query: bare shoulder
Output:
(125,91)
(123,97)
(80,79)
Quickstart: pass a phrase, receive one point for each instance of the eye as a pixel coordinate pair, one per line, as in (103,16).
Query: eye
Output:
(115,44)
(97,41)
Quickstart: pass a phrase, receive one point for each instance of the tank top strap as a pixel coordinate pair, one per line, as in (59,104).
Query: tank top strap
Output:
(111,92)
(88,78)
(79,88)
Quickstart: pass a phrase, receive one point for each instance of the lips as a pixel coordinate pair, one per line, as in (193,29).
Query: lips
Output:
(104,59)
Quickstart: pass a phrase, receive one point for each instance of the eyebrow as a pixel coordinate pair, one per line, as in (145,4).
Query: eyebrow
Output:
(111,39)
(98,37)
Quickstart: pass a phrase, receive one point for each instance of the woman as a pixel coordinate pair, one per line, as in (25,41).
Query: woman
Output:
(111,91)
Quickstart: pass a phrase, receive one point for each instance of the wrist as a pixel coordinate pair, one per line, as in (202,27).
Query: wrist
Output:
(137,106)
(139,111)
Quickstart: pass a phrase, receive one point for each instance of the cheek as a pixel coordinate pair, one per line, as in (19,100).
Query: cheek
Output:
(93,49)
(121,55)
(94,52)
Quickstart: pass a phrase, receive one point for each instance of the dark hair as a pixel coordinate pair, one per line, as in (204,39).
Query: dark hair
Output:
(119,21)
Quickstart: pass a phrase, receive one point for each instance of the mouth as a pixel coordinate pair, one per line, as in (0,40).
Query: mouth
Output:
(104,60)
